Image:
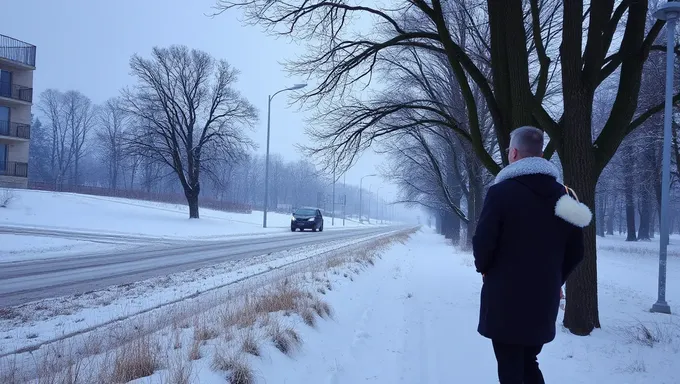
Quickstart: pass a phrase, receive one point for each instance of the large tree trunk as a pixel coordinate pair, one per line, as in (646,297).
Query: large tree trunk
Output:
(611,211)
(645,203)
(630,212)
(455,220)
(600,216)
(470,231)
(581,312)
(192,199)
(629,185)
(439,223)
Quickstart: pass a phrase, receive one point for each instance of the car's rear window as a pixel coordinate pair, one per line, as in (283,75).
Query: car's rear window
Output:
(305,212)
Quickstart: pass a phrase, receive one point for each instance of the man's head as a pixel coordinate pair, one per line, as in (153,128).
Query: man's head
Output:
(525,141)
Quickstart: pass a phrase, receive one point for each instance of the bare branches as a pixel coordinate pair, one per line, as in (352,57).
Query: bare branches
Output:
(190,115)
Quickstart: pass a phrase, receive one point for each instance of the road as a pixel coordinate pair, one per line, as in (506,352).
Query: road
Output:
(27,281)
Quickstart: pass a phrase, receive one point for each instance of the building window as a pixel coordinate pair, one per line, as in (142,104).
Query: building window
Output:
(5,83)
(3,159)
(4,121)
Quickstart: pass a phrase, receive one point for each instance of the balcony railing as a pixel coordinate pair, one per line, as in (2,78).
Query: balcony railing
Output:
(12,168)
(15,91)
(22,131)
(17,50)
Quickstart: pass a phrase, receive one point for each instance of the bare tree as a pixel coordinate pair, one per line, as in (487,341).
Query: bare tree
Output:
(70,116)
(111,138)
(577,40)
(195,116)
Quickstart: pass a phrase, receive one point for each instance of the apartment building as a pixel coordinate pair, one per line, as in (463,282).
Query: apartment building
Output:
(17,63)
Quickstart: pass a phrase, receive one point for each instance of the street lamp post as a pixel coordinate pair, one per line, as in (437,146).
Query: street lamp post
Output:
(344,198)
(669,12)
(377,203)
(266,161)
(368,216)
(361,190)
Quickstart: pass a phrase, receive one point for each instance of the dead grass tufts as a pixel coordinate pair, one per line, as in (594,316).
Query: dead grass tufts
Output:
(321,308)
(179,370)
(285,340)
(134,361)
(637,366)
(308,317)
(203,332)
(195,352)
(650,335)
(249,344)
(6,197)
(237,367)
(8,314)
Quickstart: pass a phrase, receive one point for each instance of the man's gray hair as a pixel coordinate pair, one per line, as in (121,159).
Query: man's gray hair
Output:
(527,140)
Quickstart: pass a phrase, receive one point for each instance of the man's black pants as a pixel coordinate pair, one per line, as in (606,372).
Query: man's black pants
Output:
(518,364)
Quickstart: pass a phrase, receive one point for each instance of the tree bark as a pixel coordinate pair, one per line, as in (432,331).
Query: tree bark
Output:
(600,216)
(630,212)
(645,204)
(192,200)
(611,211)
(581,315)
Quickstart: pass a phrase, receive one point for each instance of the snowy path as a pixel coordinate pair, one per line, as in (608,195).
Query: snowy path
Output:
(413,318)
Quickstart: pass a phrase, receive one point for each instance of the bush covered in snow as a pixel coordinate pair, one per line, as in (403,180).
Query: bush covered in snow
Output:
(6,197)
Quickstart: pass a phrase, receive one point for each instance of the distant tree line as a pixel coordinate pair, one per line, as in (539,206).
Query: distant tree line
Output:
(181,129)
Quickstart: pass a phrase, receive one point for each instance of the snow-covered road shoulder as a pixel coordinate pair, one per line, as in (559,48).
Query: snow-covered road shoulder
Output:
(413,319)
(30,325)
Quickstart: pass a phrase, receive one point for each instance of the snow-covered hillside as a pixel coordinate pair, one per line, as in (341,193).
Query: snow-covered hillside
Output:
(59,216)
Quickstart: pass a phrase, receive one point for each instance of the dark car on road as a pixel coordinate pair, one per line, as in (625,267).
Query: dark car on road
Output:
(306,218)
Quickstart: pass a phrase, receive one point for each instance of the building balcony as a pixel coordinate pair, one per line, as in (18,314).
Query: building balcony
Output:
(16,52)
(15,92)
(13,168)
(15,130)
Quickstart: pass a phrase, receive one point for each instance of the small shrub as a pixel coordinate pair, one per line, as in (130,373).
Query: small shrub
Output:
(321,308)
(134,361)
(249,344)
(195,352)
(6,197)
(179,370)
(308,317)
(650,335)
(238,369)
(203,332)
(285,340)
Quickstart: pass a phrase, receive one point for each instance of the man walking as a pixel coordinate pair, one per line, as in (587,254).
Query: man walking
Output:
(529,239)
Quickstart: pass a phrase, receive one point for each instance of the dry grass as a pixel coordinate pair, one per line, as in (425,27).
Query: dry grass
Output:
(321,308)
(203,332)
(285,340)
(195,351)
(136,360)
(6,197)
(650,335)
(249,344)
(180,370)
(308,317)
(140,357)
(238,369)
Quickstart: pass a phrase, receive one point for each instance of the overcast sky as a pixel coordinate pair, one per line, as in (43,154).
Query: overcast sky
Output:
(86,45)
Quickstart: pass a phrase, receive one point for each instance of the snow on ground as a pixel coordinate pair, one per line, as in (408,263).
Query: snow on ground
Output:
(45,320)
(23,248)
(115,215)
(413,318)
